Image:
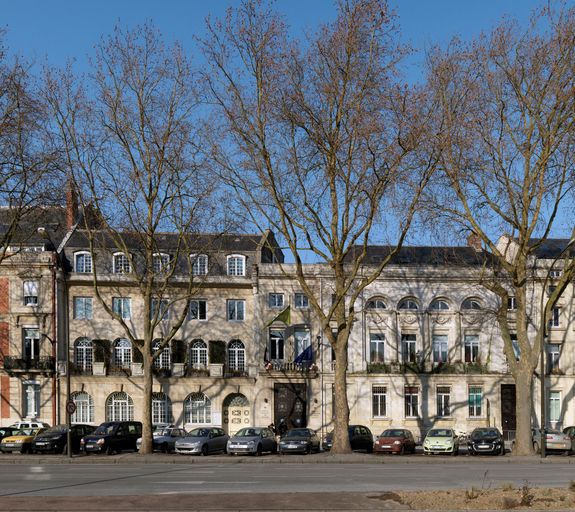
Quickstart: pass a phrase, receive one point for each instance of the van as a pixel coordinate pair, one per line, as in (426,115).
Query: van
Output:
(112,437)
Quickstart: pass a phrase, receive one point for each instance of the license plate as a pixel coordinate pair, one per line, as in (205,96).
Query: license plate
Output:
(41,444)
(482,446)
(385,446)
(292,446)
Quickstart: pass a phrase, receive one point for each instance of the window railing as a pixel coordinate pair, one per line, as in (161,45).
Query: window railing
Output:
(40,363)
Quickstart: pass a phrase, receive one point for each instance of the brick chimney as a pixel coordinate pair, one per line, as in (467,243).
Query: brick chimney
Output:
(474,241)
(71,205)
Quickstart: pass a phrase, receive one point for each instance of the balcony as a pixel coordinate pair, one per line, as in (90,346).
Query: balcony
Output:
(40,364)
(305,368)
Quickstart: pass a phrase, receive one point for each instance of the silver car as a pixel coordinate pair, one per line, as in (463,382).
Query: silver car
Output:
(164,439)
(253,440)
(204,440)
(554,440)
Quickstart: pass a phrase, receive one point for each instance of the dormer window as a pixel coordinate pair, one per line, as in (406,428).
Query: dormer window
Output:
(236,265)
(408,304)
(83,262)
(439,305)
(471,304)
(199,264)
(121,263)
(161,262)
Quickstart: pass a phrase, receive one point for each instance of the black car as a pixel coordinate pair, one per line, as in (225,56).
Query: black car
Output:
(360,438)
(299,440)
(55,438)
(112,436)
(486,440)
(7,432)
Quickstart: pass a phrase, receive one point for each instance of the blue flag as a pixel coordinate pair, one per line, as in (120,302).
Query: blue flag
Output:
(306,355)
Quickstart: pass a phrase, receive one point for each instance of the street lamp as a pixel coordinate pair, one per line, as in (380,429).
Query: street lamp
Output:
(62,330)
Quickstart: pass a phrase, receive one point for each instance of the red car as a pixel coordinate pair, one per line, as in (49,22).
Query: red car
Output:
(395,440)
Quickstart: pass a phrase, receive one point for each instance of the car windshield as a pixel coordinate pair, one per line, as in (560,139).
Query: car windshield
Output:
(392,433)
(484,433)
(25,432)
(249,432)
(57,429)
(105,429)
(440,432)
(162,432)
(199,432)
(298,432)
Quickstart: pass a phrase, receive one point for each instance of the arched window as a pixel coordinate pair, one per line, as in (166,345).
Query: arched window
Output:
(161,262)
(408,304)
(236,356)
(119,407)
(198,355)
(121,263)
(236,265)
(198,409)
(84,407)
(439,305)
(199,264)
(471,303)
(83,354)
(83,262)
(375,303)
(163,361)
(122,353)
(161,408)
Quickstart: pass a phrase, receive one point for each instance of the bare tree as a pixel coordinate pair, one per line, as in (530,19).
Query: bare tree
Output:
(132,154)
(321,141)
(508,103)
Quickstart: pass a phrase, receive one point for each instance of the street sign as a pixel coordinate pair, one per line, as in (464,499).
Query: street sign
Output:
(70,407)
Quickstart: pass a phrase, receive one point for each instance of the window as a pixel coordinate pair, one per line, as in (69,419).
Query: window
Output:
(236,356)
(376,347)
(511,303)
(551,289)
(121,263)
(301,301)
(31,398)
(160,262)
(198,310)
(411,397)
(443,399)
(198,355)
(471,304)
(30,293)
(161,408)
(199,264)
(122,353)
(236,265)
(554,406)
(198,409)
(379,401)
(161,308)
(515,345)
(31,343)
(375,303)
(408,348)
(119,407)
(83,262)
(122,306)
(553,354)
(439,305)
(83,354)
(408,304)
(276,345)
(84,407)
(475,399)
(236,310)
(440,348)
(162,362)
(471,348)
(555,274)
(83,308)
(276,300)
(555,318)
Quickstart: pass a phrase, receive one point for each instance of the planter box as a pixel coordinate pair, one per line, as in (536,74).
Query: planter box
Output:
(137,369)
(216,370)
(98,368)
(178,369)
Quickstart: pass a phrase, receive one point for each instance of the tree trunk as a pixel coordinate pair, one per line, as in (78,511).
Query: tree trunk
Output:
(524,411)
(341,406)
(146,446)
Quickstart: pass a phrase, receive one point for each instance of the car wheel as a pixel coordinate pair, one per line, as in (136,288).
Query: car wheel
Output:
(454,452)
(402,450)
(308,449)
(164,448)
(65,449)
(369,449)
(258,451)
(275,449)
(205,450)
(109,451)
(502,450)
(280,452)
(536,447)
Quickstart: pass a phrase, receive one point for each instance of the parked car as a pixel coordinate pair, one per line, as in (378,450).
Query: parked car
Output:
(299,440)
(21,441)
(7,431)
(164,439)
(555,440)
(204,440)
(486,440)
(55,438)
(360,438)
(112,436)
(395,440)
(441,440)
(254,440)
(570,431)
(29,424)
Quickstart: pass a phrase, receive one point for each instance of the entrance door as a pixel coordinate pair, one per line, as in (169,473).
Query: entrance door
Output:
(290,404)
(508,418)
(236,413)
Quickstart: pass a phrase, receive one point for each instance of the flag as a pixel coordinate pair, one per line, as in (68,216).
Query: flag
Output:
(306,355)
(284,316)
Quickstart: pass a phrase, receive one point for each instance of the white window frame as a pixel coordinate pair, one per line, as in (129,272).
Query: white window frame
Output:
(408,356)
(236,265)
(377,347)
(199,264)
(411,401)
(123,353)
(161,262)
(408,304)
(471,348)
(199,355)
(122,306)
(84,354)
(379,401)
(511,303)
(440,355)
(200,316)
(84,407)
(237,356)
(471,304)
(443,401)
(276,300)
(277,345)
(31,409)
(31,336)
(554,405)
(163,361)
(301,300)
(161,408)
(83,308)
(119,407)
(555,320)
(236,310)
(31,292)
(439,305)
(375,303)
(475,410)
(121,263)
(87,265)
(197,409)
(553,356)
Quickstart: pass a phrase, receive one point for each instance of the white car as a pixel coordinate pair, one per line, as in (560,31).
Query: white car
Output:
(30,424)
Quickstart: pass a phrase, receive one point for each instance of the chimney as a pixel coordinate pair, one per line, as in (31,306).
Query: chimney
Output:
(71,205)
(474,241)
